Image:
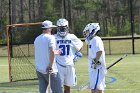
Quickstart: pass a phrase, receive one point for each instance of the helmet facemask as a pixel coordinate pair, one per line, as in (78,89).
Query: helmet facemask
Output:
(91,30)
(89,35)
(86,33)
(62,30)
(62,27)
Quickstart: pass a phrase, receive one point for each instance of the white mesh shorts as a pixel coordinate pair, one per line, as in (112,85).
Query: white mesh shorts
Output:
(97,79)
(67,75)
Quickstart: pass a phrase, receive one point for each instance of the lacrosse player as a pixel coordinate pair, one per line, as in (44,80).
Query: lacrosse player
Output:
(96,58)
(44,60)
(70,47)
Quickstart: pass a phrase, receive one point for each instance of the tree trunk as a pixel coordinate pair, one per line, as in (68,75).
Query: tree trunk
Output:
(34,11)
(30,12)
(13,13)
(21,12)
(70,14)
(42,8)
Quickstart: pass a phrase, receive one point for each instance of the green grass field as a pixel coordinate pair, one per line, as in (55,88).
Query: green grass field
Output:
(126,72)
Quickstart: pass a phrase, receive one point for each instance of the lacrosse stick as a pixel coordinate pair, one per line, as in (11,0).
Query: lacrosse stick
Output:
(49,83)
(116,61)
(85,86)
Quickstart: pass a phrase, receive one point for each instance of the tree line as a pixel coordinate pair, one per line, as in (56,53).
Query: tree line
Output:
(113,15)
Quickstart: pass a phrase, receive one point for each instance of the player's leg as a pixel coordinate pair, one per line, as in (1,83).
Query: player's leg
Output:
(94,91)
(70,78)
(66,89)
(101,91)
(61,71)
(42,82)
(56,83)
(97,81)
(97,91)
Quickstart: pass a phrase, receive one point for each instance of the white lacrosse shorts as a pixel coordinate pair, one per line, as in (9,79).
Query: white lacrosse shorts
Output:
(67,75)
(97,79)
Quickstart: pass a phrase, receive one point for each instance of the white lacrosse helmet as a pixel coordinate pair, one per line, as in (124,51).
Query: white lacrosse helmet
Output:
(90,30)
(62,27)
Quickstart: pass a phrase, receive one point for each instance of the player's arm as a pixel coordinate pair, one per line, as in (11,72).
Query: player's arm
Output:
(52,55)
(53,52)
(78,45)
(98,55)
(95,61)
(99,49)
(78,55)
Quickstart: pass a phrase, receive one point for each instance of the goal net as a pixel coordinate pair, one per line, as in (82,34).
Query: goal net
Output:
(20,38)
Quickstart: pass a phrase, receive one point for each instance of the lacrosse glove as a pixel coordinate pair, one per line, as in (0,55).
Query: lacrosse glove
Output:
(95,64)
(77,56)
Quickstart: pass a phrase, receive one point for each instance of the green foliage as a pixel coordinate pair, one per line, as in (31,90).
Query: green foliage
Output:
(90,6)
(31,34)
(82,12)
(3,41)
(50,11)
(79,26)
(137,28)
(78,5)
(111,30)
(126,28)
(3,23)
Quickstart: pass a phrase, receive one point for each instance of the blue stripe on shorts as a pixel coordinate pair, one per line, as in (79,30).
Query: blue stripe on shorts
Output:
(97,80)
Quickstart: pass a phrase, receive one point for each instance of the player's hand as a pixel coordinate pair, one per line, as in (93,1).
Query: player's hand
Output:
(78,55)
(49,69)
(95,64)
(57,52)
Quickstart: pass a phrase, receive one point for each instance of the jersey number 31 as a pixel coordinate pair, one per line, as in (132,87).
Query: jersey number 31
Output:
(65,49)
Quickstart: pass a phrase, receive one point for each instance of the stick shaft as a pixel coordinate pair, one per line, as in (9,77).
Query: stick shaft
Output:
(49,84)
(116,62)
(87,84)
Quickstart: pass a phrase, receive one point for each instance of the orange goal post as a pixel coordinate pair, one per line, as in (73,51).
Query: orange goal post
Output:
(20,38)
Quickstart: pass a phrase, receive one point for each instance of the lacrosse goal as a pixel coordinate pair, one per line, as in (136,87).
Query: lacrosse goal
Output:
(20,38)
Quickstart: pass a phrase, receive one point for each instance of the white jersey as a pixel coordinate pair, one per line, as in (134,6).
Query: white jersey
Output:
(68,45)
(42,49)
(96,45)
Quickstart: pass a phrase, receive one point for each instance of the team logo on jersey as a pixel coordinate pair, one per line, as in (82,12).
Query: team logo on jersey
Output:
(63,41)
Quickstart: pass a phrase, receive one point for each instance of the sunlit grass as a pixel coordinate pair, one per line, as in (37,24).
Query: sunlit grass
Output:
(126,72)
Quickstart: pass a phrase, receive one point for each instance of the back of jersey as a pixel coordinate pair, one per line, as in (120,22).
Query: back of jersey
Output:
(42,52)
